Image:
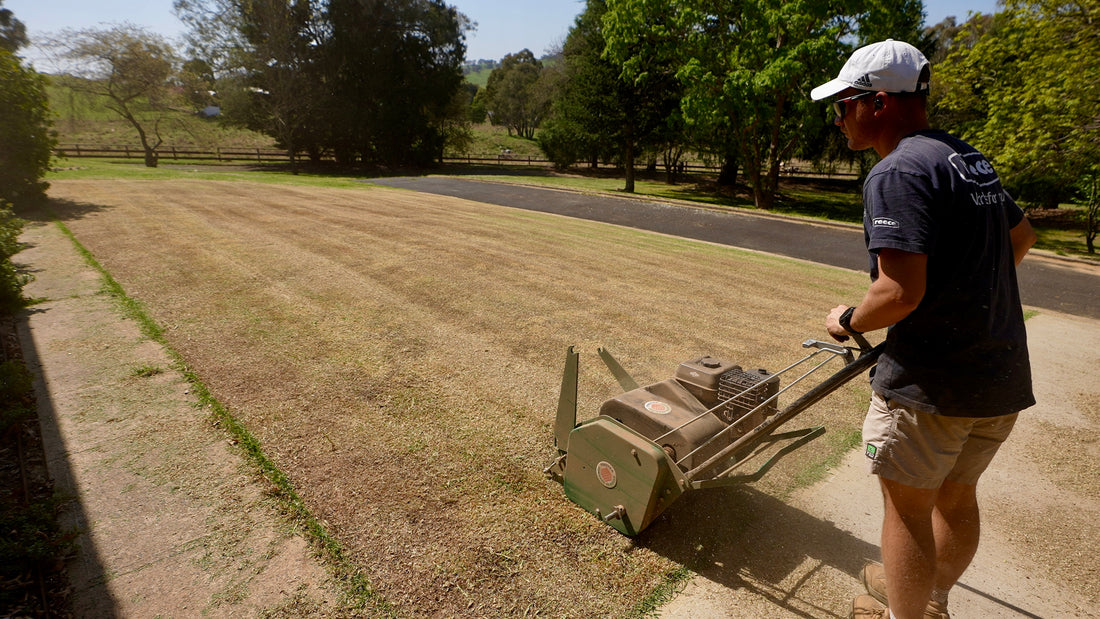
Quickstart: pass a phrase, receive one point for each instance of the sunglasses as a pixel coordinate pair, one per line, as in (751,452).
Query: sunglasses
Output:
(839,105)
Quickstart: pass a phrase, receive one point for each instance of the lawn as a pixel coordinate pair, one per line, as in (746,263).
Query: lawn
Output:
(398,357)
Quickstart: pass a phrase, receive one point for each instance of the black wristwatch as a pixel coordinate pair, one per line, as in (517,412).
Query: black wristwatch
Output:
(846,321)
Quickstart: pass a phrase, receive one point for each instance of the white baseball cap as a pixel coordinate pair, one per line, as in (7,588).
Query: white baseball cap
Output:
(887,66)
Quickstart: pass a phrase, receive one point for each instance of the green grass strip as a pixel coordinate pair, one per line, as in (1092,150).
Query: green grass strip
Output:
(662,594)
(355,584)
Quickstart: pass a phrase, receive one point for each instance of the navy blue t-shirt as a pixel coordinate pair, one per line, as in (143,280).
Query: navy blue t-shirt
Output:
(963,351)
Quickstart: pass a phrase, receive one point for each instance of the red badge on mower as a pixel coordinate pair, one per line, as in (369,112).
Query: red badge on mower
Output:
(658,408)
(606,474)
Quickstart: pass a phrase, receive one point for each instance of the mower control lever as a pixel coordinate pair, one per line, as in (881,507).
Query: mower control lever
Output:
(837,349)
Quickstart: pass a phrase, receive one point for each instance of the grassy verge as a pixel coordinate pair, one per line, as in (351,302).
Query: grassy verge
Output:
(357,589)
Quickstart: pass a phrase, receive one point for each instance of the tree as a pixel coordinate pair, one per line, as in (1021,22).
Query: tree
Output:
(512,96)
(26,140)
(13,34)
(278,76)
(392,68)
(642,41)
(197,79)
(747,67)
(1090,190)
(132,69)
(370,80)
(1023,93)
(587,114)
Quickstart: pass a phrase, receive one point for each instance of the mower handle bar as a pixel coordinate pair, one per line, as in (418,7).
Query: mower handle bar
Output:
(753,437)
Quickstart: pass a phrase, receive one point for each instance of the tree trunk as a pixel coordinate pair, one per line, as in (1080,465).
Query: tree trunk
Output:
(150,151)
(628,157)
(727,176)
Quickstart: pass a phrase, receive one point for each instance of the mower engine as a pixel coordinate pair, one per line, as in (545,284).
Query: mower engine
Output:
(683,414)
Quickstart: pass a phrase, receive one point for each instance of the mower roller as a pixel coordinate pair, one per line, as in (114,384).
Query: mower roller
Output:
(651,444)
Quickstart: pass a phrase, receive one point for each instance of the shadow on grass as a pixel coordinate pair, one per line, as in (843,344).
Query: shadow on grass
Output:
(54,209)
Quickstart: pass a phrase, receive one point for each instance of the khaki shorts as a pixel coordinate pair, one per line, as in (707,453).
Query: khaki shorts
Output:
(922,450)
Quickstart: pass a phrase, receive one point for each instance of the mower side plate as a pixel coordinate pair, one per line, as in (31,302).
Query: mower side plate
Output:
(622,477)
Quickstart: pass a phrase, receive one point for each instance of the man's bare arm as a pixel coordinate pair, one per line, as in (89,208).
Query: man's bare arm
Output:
(901,283)
(1023,237)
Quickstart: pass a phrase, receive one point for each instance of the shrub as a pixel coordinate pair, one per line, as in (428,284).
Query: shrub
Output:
(26,140)
(11,280)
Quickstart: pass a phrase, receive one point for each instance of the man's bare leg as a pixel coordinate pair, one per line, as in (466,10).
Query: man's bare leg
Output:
(957,528)
(908,547)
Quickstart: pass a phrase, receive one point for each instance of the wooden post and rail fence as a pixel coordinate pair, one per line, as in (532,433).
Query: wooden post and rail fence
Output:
(271,155)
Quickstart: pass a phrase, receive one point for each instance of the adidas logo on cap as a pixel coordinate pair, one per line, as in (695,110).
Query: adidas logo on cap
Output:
(863,82)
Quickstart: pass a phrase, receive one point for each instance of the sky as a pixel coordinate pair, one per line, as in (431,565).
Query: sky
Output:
(503,26)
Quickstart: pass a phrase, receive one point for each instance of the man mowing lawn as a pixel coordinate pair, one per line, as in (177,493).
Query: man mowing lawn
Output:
(944,240)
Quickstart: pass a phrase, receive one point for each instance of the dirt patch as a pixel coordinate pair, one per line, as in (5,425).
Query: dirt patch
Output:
(399,357)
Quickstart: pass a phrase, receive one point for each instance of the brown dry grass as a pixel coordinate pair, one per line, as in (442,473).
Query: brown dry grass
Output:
(398,355)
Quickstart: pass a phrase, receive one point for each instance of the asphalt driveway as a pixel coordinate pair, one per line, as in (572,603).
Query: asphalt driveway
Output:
(1046,282)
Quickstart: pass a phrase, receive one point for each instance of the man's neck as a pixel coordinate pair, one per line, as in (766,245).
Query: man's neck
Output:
(891,140)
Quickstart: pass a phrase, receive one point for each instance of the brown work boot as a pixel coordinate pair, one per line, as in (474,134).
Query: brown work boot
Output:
(873,578)
(867,607)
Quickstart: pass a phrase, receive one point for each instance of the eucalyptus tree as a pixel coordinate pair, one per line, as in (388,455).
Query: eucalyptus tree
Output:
(512,98)
(747,67)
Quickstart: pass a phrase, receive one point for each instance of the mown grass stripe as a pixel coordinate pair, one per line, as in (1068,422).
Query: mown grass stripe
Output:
(357,589)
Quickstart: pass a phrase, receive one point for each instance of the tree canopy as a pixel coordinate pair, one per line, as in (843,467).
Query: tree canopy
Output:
(13,34)
(132,69)
(587,115)
(513,97)
(369,80)
(746,67)
(1025,93)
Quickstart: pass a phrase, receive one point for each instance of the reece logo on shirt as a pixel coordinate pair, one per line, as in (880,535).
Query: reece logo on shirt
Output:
(974,168)
(885,222)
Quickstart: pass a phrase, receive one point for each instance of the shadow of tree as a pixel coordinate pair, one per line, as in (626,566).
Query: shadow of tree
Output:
(59,209)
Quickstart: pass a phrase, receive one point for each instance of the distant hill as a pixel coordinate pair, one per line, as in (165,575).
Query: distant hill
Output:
(477,72)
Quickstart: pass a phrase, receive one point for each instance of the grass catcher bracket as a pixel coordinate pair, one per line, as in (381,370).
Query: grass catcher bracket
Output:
(696,430)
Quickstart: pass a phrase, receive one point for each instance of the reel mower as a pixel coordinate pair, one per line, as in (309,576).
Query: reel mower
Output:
(651,444)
